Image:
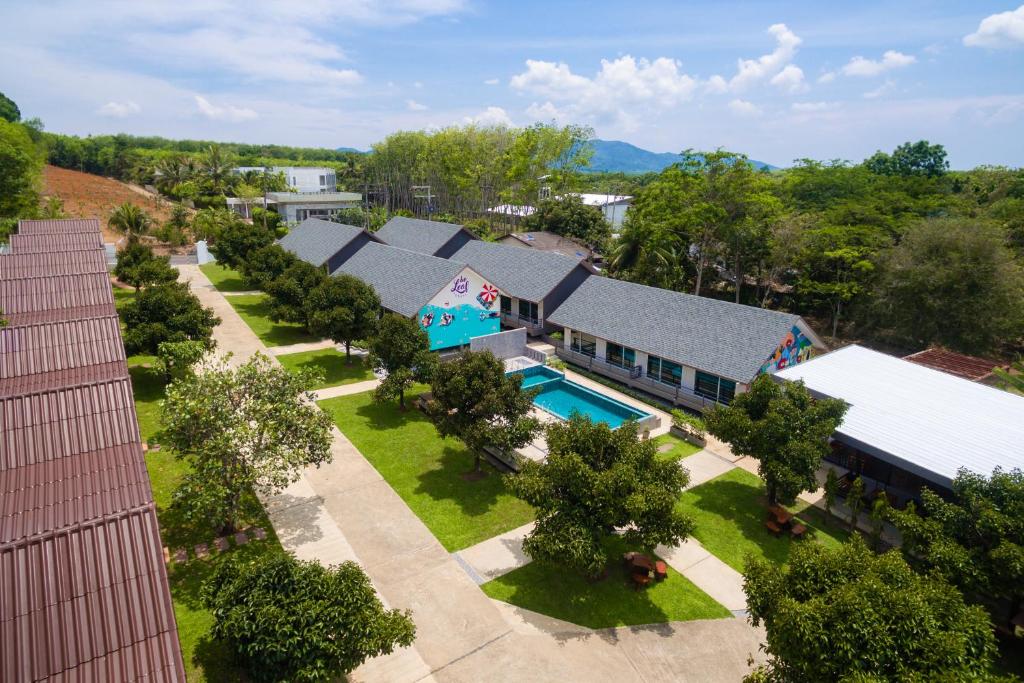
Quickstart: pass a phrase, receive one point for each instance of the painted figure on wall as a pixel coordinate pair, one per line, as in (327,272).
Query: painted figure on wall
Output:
(794,349)
(461,311)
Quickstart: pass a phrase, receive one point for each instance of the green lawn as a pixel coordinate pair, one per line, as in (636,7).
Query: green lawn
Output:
(565,595)
(255,311)
(680,447)
(224,279)
(332,364)
(123,297)
(427,472)
(730,511)
(205,659)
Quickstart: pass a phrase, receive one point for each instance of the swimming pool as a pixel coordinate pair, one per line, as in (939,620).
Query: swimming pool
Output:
(562,398)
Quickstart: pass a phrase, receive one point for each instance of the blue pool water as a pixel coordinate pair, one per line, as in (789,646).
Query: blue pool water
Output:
(562,398)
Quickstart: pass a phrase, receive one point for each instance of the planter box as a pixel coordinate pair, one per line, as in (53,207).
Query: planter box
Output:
(687,436)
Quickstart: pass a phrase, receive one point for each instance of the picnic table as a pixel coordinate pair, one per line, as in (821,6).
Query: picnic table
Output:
(642,569)
(781,515)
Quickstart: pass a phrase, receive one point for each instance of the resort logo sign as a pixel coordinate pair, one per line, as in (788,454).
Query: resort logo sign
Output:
(461,286)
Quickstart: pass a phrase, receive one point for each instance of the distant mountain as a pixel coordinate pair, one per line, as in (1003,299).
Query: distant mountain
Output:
(350,149)
(615,156)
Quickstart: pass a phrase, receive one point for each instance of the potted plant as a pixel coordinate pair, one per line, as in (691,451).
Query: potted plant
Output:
(689,428)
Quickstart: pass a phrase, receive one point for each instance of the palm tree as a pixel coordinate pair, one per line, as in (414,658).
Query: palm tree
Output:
(217,168)
(130,221)
(173,170)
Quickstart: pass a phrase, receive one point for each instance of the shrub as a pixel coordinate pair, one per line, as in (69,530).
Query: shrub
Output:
(690,424)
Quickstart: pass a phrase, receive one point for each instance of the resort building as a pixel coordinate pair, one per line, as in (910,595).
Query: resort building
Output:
(301,178)
(690,350)
(532,283)
(325,244)
(295,207)
(612,206)
(85,594)
(452,302)
(548,241)
(433,238)
(908,425)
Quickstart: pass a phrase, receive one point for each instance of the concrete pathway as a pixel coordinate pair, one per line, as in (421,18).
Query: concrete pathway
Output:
(705,466)
(307,346)
(496,556)
(247,292)
(346,389)
(707,572)
(345,510)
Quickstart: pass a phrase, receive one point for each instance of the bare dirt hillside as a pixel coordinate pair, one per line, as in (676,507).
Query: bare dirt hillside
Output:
(92,196)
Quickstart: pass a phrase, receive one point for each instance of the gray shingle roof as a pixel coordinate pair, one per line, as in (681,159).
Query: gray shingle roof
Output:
(524,273)
(404,280)
(727,339)
(413,234)
(316,241)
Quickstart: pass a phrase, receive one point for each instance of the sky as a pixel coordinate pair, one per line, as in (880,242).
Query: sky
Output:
(775,80)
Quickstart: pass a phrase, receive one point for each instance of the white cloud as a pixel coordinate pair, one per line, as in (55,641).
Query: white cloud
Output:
(224,112)
(620,85)
(808,107)
(859,66)
(751,71)
(1002,30)
(413,105)
(716,85)
(491,81)
(546,112)
(881,90)
(119,110)
(492,116)
(790,79)
(827,77)
(744,108)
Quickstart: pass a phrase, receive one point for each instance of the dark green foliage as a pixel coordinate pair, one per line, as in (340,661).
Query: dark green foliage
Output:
(593,482)
(236,239)
(288,291)
(166,312)
(300,621)
(175,230)
(975,540)
(478,404)
(178,359)
(570,217)
(139,267)
(342,308)
(264,265)
(8,109)
(131,221)
(784,428)
(850,615)
(855,501)
(20,168)
(400,349)
(910,159)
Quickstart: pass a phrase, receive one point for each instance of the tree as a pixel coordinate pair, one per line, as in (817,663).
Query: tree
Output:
(343,308)
(174,230)
(975,539)
(474,401)
(178,359)
(139,267)
(401,350)
(266,264)
(131,221)
(831,490)
(53,209)
(217,168)
(208,224)
(236,239)
(289,620)
(878,514)
(855,501)
(20,167)
(254,427)
(910,159)
(1012,380)
(784,428)
(167,312)
(847,614)
(289,290)
(569,217)
(951,282)
(594,481)
(9,110)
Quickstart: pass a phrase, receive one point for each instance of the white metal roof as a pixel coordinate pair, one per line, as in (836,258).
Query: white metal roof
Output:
(591,199)
(928,422)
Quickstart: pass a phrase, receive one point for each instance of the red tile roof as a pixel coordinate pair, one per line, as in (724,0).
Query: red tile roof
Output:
(17,266)
(50,299)
(968,367)
(75,241)
(61,226)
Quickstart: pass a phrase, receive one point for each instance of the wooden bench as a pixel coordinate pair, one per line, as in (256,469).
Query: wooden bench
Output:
(660,570)
(773,527)
(798,530)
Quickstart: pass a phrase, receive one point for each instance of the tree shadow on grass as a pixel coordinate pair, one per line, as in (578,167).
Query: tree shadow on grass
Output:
(334,368)
(255,311)
(474,495)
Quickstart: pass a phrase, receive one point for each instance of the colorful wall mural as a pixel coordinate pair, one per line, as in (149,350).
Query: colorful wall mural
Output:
(794,349)
(467,307)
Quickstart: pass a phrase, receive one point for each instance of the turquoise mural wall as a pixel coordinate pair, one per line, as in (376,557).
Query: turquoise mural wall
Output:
(794,349)
(467,307)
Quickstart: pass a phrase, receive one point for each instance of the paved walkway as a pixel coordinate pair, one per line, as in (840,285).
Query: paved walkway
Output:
(346,389)
(246,292)
(306,346)
(345,510)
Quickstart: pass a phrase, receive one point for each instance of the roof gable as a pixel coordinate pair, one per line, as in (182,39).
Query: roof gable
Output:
(315,241)
(414,234)
(524,273)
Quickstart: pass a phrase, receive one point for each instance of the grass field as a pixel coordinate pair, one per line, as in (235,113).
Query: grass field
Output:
(563,594)
(255,311)
(224,279)
(427,471)
(680,448)
(730,511)
(332,364)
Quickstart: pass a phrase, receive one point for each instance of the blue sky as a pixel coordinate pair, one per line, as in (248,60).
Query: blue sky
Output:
(778,80)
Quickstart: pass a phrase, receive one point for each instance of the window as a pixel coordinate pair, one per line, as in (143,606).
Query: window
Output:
(664,371)
(621,356)
(714,387)
(527,311)
(323,180)
(584,343)
(506,304)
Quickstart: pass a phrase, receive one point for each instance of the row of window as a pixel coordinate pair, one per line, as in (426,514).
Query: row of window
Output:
(527,309)
(659,369)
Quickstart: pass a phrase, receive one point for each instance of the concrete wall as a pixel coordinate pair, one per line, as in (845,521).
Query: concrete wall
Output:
(508,344)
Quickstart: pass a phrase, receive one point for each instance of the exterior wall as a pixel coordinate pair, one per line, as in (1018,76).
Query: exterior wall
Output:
(290,211)
(454,244)
(465,308)
(508,344)
(794,349)
(307,179)
(347,251)
(564,288)
(615,214)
